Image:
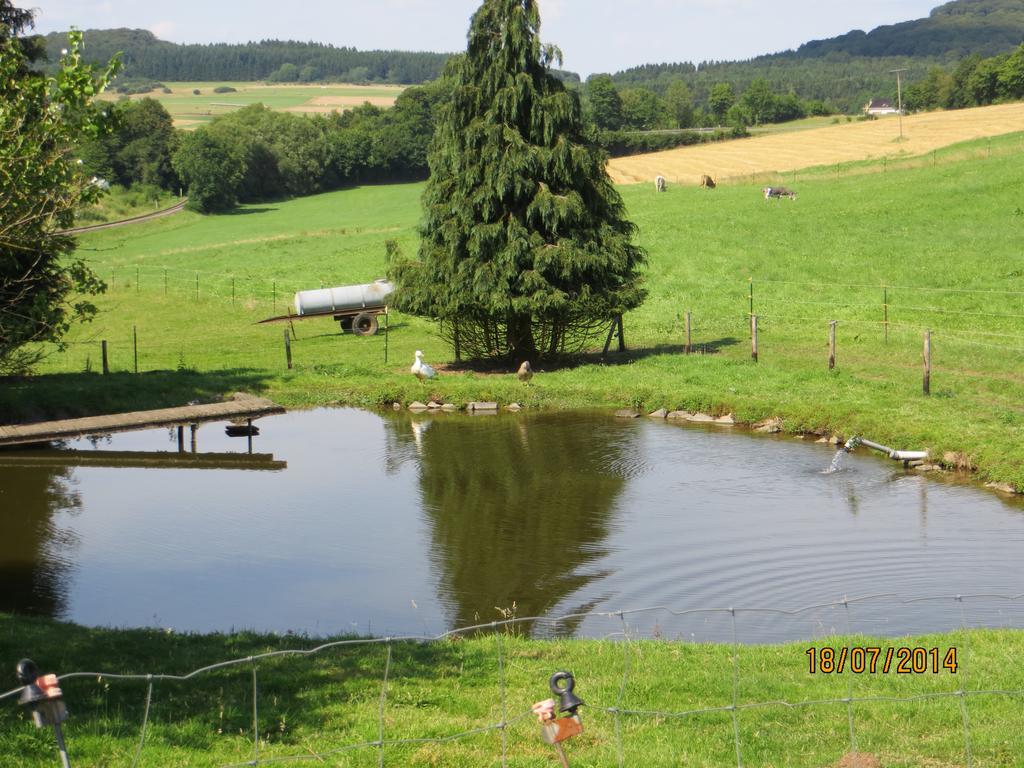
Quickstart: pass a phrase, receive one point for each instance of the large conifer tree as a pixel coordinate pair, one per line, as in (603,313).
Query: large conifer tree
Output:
(525,245)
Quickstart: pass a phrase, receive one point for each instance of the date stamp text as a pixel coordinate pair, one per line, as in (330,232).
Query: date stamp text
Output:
(872,660)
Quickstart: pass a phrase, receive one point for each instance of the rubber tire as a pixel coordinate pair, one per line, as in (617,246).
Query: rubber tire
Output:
(364,324)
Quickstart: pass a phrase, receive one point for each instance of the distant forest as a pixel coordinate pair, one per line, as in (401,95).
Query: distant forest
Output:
(147,58)
(846,71)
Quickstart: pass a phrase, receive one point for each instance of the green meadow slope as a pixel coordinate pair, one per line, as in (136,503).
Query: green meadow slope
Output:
(940,244)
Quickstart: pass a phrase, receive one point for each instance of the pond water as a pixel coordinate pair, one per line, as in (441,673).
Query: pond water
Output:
(386,523)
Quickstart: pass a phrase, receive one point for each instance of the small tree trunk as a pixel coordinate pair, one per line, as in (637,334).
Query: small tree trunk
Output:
(521,344)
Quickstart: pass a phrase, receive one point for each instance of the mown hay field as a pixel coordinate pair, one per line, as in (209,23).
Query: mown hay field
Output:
(765,155)
(190,110)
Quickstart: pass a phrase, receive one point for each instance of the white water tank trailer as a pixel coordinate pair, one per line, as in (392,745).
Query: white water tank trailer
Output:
(355,307)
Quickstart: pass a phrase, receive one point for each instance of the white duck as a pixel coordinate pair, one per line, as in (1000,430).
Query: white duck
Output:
(420,369)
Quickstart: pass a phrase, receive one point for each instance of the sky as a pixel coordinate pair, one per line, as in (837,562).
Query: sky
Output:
(594,35)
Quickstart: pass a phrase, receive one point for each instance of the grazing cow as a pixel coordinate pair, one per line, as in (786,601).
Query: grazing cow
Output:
(659,183)
(706,182)
(778,193)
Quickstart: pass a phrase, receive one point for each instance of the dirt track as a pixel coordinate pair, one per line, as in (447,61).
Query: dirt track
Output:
(133,220)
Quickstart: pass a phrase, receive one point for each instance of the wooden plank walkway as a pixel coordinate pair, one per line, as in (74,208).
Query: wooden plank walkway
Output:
(142,460)
(241,407)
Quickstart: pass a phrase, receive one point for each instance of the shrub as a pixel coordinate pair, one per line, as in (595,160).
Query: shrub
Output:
(224,89)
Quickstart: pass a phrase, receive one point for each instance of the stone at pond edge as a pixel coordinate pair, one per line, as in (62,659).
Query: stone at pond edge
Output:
(627,413)
(1001,487)
(700,418)
(484,406)
(958,460)
(396,406)
(513,407)
(679,415)
(821,440)
(726,420)
(769,426)
(433,405)
(661,413)
(417,406)
(449,407)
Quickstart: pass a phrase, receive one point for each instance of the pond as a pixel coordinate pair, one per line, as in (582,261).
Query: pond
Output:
(344,520)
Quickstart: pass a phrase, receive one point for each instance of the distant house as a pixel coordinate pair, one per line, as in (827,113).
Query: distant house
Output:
(880,107)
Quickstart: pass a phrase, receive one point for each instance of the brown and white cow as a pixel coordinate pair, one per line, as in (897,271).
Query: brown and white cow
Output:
(659,183)
(706,182)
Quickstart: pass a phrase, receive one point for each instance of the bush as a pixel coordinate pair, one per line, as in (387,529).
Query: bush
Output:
(195,91)
(224,89)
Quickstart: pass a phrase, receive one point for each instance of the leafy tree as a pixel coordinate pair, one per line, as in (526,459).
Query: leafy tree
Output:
(759,101)
(525,247)
(1011,75)
(679,103)
(721,98)
(642,110)
(605,102)
(43,289)
(983,82)
(142,143)
(211,168)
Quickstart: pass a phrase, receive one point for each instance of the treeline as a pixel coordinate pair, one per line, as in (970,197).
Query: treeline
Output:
(641,109)
(147,58)
(974,82)
(843,83)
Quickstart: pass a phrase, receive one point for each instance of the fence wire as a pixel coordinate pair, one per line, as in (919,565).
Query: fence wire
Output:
(615,707)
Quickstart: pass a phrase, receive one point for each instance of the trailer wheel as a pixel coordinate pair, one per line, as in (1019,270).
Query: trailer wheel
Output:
(345,323)
(364,324)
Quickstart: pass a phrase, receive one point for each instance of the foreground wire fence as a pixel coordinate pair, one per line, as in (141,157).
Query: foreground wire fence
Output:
(726,694)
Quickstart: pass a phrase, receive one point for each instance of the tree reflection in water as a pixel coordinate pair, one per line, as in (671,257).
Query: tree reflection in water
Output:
(36,554)
(518,507)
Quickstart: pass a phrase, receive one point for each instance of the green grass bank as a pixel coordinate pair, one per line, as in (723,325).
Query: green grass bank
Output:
(673,697)
(934,247)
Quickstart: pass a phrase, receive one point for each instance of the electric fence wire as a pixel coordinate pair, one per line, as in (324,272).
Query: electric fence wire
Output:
(615,710)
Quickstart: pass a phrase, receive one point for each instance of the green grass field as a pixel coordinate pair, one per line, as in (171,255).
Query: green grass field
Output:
(938,243)
(317,708)
(190,110)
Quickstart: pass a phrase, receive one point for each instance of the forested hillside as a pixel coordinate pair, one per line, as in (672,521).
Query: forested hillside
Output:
(848,70)
(954,30)
(147,58)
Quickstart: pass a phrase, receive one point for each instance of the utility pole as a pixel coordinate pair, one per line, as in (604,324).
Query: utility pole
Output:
(899,98)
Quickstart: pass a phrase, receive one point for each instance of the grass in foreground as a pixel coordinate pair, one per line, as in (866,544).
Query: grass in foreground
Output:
(937,243)
(313,707)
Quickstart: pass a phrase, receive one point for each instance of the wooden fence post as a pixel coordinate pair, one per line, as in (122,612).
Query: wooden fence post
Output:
(689,332)
(927,362)
(753,337)
(288,348)
(103,347)
(135,347)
